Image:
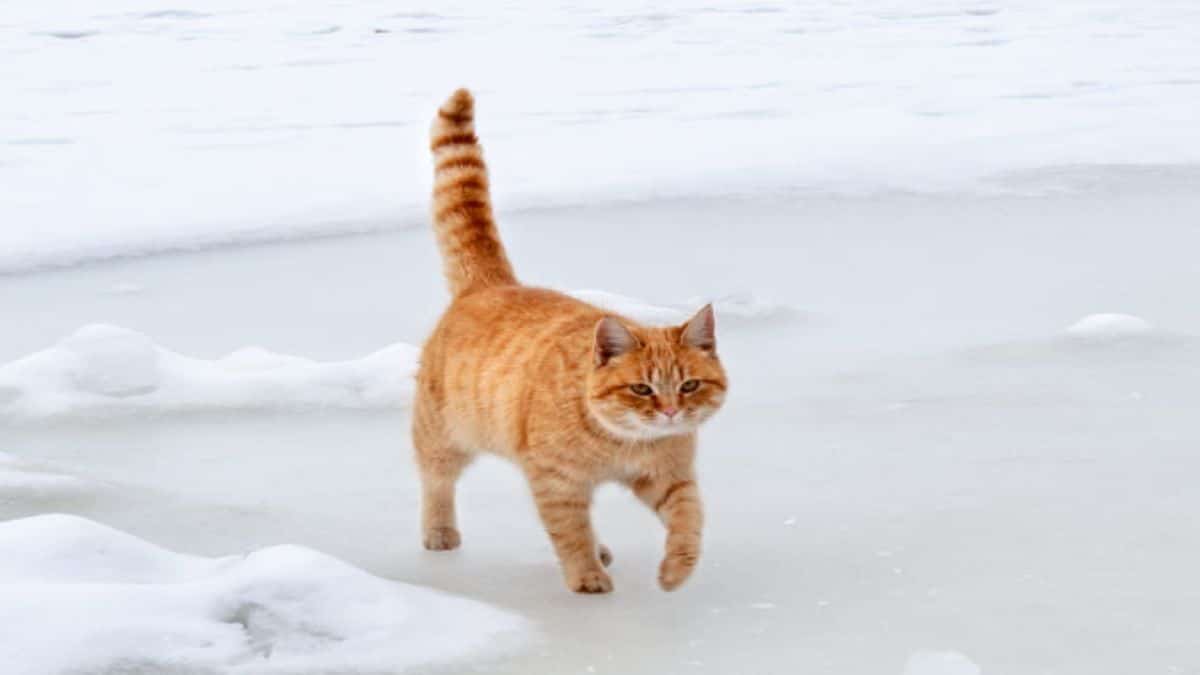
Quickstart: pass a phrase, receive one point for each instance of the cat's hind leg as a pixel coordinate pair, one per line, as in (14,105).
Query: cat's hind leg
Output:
(440,463)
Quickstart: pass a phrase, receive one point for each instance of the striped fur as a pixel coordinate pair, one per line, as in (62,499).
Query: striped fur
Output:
(472,253)
(551,383)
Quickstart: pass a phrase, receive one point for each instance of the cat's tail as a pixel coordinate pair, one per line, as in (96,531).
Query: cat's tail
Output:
(472,253)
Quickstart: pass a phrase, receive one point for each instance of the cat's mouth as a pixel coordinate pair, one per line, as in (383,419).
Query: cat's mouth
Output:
(635,427)
(661,426)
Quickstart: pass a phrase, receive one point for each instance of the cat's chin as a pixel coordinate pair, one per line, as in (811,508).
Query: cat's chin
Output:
(635,429)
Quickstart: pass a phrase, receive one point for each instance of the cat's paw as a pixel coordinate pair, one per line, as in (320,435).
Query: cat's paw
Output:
(591,581)
(606,557)
(675,570)
(442,539)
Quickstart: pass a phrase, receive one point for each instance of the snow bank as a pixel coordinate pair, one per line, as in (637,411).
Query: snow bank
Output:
(76,596)
(261,120)
(106,369)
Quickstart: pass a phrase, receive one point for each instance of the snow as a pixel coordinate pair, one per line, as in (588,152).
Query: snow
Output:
(81,597)
(907,403)
(638,310)
(936,459)
(1109,326)
(739,307)
(24,480)
(250,121)
(102,369)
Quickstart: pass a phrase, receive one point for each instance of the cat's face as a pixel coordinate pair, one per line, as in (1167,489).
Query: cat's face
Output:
(651,383)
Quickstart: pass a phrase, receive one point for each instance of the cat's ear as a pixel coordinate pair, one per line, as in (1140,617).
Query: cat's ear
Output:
(612,339)
(700,331)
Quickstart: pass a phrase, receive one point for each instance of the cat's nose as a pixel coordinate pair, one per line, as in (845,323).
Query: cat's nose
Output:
(670,412)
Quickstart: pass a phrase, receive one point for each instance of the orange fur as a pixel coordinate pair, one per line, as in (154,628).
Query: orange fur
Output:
(573,395)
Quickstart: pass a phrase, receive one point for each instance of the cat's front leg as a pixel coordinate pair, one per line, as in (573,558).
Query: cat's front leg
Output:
(676,500)
(565,509)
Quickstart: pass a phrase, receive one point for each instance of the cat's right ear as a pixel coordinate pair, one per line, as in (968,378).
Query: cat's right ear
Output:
(612,340)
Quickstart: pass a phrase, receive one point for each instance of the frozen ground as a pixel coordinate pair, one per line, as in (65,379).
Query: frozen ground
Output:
(953,246)
(931,463)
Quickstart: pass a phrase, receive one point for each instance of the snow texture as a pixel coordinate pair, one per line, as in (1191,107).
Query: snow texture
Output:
(1109,327)
(20,479)
(76,596)
(934,459)
(101,369)
(235,122)
(916,454)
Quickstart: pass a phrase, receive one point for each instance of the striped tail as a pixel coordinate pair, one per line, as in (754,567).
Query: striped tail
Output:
(472,252)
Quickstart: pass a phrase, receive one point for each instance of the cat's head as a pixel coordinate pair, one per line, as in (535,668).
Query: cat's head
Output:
(649,383)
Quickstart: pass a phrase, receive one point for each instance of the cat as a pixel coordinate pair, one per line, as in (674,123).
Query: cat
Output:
(574,395)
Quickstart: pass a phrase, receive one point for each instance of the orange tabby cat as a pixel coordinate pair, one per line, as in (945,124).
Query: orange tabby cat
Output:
(572,394)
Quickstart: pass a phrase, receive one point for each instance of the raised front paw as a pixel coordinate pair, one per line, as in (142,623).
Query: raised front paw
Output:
(590,581)
(675,570)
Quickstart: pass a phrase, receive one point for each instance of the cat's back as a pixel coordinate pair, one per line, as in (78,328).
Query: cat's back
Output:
(516,317)
(499,354)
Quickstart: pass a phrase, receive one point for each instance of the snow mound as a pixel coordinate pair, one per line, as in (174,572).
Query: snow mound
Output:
(745,307)
(735,307)
(102,368)
(1109,327)
(112,361)
(638,310)
(940,663)
(76,596)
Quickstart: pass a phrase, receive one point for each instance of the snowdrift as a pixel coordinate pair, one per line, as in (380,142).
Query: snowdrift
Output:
(76,596)
(102,369)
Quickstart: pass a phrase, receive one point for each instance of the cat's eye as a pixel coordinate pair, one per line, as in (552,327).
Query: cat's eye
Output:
(689,386)
(641,389)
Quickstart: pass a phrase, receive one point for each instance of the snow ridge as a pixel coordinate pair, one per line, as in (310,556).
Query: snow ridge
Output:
(76,596)
(103,369)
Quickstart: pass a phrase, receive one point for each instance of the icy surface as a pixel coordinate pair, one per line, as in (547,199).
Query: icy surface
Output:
(140,126)
(940,663)
(76,596)
(916,458)
(935,459)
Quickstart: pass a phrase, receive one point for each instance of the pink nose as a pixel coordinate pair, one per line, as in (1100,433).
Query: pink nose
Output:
(670,412)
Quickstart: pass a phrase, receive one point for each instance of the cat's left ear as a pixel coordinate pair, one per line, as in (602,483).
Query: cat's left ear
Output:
(700,331)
